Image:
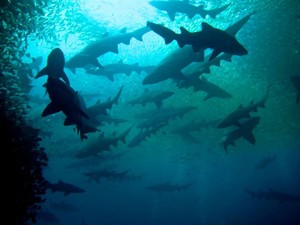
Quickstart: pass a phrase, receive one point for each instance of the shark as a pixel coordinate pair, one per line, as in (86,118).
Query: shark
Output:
(157,97)
(202,84)
(233,118)
(110,70)
(167,187)
(173,7)
(144,134)
(64,187)
(272,194)
(164,115)
(64,98)
(170,67)
(185,130)
(101,144)
(196,69)
(296,82)
(210,37)
(55,66)
(173,66)
(109,43)
(104,173)
(263,163)
(101,108)
(244,131)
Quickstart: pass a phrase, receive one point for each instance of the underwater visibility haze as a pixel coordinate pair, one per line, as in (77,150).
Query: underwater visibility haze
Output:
(151,112)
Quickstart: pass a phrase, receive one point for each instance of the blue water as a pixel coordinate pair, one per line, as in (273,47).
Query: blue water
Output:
(218,180)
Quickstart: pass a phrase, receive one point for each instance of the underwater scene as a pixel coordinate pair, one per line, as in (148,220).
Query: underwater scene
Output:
(140,112)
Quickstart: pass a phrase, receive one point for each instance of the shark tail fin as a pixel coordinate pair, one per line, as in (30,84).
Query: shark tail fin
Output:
(215,12)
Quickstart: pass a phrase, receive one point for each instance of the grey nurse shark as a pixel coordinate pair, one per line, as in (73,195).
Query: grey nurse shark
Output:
(174,7)
(171,66)
(89,55)
(102,143)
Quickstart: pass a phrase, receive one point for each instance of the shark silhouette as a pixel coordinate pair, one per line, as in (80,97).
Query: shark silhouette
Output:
(64,187)
(157,97)
(173,7)
(89,55)
(209,37)
(244,131)
(271,194)
(64,98)
(233,118)
(55,66)
(173,65)
(100,144)
(263,163)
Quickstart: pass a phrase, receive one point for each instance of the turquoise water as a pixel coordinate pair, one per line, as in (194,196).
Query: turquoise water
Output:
(217,181)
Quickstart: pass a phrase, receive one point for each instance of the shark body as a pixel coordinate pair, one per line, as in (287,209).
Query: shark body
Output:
(89,55)
(244,131)
(233,118)
(174,7)
(271,194)
(209,37)
(64,187)
(157,97)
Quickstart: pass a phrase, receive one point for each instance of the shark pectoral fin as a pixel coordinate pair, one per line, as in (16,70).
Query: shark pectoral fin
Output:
(208,96)
(65,78)
(83,113)
(250,137)
(51,108)
(115,49)
(97,64)
(158,103)
(43,72)
(171,14)
(110,76)
(73,70)
(214,54)
(207,70)
(179,76)
(68,122)
(199,55)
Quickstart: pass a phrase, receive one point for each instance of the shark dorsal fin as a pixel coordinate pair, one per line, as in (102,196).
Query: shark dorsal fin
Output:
(184,31)
(60,181)
(206,26)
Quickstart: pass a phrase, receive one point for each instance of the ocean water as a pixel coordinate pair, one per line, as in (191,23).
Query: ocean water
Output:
(195,180)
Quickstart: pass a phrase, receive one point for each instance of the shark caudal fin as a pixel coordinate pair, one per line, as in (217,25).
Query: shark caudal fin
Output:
(215,12)
(162,31)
